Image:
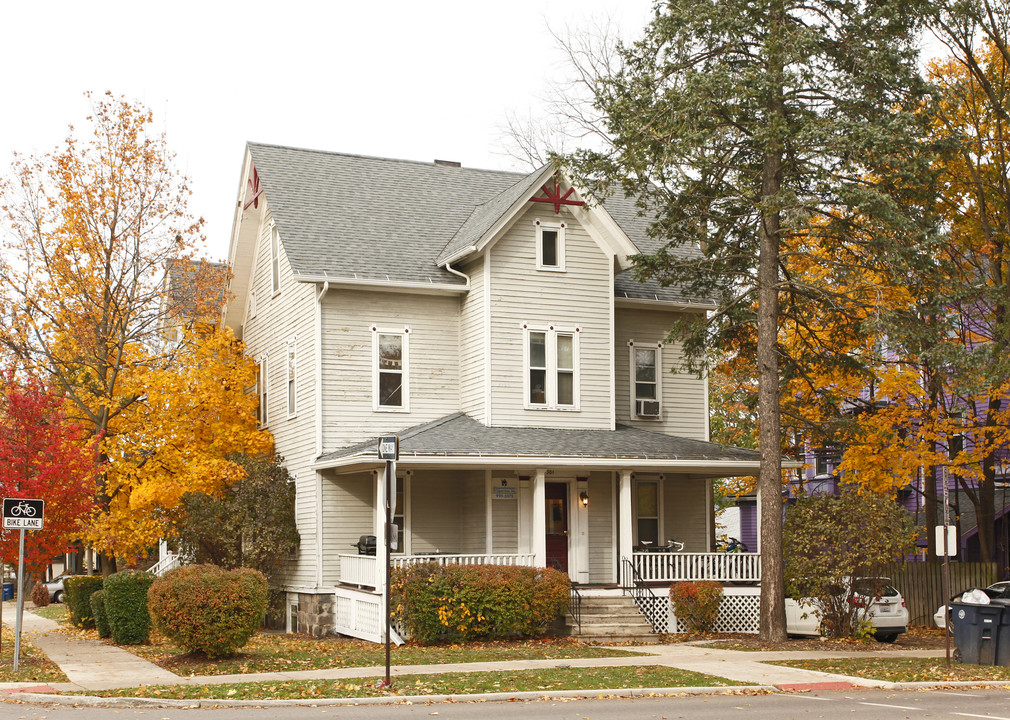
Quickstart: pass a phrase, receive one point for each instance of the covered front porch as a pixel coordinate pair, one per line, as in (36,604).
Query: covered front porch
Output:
(609,522)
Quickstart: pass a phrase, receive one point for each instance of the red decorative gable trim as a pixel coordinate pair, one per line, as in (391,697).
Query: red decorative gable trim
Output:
(255,190)
(552,195)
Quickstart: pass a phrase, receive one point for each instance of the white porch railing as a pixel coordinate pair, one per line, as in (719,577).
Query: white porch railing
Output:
(681,566)
(363,570)
(168,562)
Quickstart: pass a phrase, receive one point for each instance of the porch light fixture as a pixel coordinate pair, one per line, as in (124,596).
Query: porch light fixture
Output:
(584,498)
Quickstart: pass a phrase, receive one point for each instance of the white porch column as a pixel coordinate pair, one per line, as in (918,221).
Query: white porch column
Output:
(380,524)
(580,536)
(625,535)
(539,529)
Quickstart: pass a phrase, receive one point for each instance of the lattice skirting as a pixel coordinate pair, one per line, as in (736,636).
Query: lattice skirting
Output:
(739,611)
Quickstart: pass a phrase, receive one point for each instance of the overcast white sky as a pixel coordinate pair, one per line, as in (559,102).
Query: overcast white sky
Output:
(417,80)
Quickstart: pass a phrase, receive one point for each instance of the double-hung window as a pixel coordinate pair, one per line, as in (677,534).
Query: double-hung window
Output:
(390,377)
(290,384)
(275,260)
(261,390)
(647,504)
(552,367)
(550,246)
(646,379)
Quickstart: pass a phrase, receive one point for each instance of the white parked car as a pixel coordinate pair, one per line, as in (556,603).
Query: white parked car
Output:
(996,590)
(887,613)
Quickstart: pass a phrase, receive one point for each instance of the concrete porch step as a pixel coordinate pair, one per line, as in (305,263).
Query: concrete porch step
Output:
(610,619)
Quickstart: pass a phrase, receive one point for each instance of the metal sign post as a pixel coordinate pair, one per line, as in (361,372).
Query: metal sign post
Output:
(389,450)
(947,620)
(21,514)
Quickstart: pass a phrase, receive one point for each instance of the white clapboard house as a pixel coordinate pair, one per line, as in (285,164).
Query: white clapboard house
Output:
(489,319)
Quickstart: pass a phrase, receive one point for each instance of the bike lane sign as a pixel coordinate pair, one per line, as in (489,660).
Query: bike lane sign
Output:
(23,514)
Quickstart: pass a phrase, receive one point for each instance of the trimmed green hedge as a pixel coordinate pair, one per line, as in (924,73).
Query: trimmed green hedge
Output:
(204,608)
(77,595)
(101,617)
(126,606)
(465,602)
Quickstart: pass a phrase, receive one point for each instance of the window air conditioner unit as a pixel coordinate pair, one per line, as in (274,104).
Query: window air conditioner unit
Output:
(647,408)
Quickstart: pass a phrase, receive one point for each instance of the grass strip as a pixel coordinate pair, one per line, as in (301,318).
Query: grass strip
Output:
(55,611)
(33,665)
(270,652)
(894,669)
(560,678)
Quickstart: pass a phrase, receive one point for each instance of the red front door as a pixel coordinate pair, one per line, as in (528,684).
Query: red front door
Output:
(557,526)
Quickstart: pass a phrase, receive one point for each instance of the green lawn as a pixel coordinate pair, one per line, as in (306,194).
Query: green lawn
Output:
(560,678)
(268,652)
(55,611)
(33,665)
(894,669)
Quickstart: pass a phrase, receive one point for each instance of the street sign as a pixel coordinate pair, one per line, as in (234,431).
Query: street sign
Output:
(946,541)
(22,514)
(389,447)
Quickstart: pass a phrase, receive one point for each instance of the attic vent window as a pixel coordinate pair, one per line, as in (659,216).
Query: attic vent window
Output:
(449,163)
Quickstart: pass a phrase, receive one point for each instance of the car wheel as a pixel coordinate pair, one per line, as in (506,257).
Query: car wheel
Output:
(886,637)
(956,655)
(58,596)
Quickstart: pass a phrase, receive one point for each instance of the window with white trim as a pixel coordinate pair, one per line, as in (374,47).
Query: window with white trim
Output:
(400,512)
(647,504)
(390,375)
(275,260)
(261,390)
(551,359)
(550,246)
(290,382)
(646,379)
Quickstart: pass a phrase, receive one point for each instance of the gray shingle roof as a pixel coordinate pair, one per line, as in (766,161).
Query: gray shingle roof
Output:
(461,435)
(366,218)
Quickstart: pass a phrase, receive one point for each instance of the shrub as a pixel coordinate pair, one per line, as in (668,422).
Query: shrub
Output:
(101,617)
(77,595)
(126,606)
(466,602)
(40,595)
(696,604)
(204,608)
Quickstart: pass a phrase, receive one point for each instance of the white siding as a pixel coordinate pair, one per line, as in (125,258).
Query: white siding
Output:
(433,365)
(684,508)
(471,353)
(347,515)
(683,399)
(282,318)
(435,507)
(579,297)
(473,535)
(601,527)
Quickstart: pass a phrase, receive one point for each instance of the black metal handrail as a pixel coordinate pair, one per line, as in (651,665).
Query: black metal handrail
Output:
(645,599)
(575,606)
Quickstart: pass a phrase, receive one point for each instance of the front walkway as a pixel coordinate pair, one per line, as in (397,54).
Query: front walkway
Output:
(93,665)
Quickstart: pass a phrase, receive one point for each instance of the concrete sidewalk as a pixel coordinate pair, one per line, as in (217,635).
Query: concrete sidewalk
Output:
(93,665)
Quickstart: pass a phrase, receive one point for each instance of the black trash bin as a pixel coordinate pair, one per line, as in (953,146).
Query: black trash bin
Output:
(977,631)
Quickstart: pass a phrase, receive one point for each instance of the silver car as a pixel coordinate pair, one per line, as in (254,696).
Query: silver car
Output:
(55,586)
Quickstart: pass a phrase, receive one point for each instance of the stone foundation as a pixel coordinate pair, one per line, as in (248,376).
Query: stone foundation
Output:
(314,615)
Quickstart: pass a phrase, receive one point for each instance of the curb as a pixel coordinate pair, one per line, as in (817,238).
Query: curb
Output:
(115,702)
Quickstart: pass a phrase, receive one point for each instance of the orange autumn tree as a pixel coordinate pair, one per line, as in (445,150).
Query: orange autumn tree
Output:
(93,227)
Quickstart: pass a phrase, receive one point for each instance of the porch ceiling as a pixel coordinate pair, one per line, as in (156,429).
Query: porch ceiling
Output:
(459,440)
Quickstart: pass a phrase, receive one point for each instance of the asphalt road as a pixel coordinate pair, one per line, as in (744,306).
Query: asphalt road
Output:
(862,704)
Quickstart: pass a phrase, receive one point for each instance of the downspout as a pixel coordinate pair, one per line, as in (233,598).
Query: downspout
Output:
(319,432)
(459,274)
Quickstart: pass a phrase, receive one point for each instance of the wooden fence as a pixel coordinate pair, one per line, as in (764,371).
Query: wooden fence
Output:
(921,584)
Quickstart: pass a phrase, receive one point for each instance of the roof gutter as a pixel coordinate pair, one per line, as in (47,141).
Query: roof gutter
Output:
(729,468)
(386,285)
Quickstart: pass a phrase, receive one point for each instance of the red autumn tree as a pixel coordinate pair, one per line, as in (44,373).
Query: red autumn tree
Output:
(42,456)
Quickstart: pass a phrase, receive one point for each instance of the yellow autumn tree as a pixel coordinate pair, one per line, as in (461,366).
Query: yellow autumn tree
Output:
(94,230)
